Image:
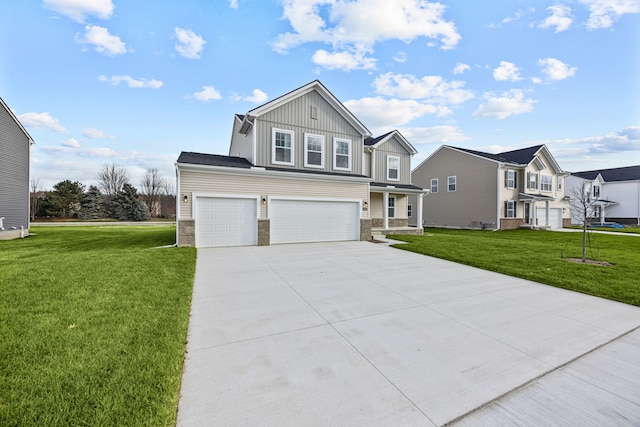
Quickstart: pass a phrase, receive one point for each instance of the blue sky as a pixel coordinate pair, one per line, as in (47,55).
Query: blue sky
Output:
(136,82)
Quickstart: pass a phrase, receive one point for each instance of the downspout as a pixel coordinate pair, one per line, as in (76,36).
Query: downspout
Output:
(373,164)
(500,165)
(177,204)
(638,211)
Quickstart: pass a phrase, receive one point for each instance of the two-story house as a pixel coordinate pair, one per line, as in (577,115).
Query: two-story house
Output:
(613,195)
(15,143)
(301,168)
(474,189)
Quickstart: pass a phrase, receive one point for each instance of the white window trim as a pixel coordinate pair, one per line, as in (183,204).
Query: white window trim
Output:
(509,172)
(513,204)
(306,151)
(437,185)
(395,206)
(537,180)
(273,146)
(455,184)
(550,187)
(560,181)
(389,157)
(335,154)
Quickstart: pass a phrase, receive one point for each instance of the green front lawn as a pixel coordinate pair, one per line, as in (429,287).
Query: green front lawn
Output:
(93,324)
(537,255)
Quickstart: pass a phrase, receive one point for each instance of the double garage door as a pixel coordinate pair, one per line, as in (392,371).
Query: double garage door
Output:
(225,221)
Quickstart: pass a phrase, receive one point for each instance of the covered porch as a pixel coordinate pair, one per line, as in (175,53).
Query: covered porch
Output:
(390,209)
(537,216)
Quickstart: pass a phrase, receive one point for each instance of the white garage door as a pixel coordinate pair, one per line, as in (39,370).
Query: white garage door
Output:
(555,217)
(226,222)
(297,221)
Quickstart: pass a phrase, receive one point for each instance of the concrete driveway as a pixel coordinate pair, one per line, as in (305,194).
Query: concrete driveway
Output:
(357,333)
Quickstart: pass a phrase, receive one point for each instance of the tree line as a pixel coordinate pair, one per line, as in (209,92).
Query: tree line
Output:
(114,197)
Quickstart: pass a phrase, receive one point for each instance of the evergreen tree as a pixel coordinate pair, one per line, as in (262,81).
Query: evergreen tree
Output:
(66,198)
(128,206)
(93,206)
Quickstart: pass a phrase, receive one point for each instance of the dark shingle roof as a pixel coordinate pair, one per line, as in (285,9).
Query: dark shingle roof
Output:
(213,160)
(628,173)
(522,156)
(373,141)
(399,186)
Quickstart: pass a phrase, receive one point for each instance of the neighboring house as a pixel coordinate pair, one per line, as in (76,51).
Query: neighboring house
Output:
(473,189)
(613,194)
(299,169)
(15,143)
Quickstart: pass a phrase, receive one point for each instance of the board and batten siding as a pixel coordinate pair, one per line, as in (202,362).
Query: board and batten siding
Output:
(265,186)
(392,148)
(14,172)
(296,116)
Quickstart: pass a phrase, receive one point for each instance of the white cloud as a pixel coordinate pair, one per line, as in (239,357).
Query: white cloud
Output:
(434,135)
(625,140)
(460,68)
(345,61)
(94,133)
(189,45)
(508,104)
(102,41)
(560,18)
(519,14)
(388,113)
(555,69)
(233,4)
(356,26)
(208,93)
(41,121)
(400,57)
(131,82)
(71,142)
(429,88)
(78,10)
(257,97)
(603,13)
(506,71)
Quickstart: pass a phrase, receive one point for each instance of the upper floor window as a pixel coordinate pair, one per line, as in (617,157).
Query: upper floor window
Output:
(452,183)
(282,147)
(434,185)
(393,168)
(532,182)
(510,178)
(313,151)
(342,154)
(560,182)
(546,183)
(596,191)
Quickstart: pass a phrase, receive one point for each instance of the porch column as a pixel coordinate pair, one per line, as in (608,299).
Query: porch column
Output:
(534,214)
(419,217)
(385,210)
(602,214)
(546,213)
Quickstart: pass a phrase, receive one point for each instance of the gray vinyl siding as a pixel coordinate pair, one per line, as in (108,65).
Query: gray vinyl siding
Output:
(241,144)
(14,172)
(296,116)
(392,148)
(475,198)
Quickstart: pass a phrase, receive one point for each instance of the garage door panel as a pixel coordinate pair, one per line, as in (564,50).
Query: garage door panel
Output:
(295,221)
(226,222)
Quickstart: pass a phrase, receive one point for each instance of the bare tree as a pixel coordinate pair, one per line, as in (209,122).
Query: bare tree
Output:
(153,184)
(169,198)
(36,187)
(111,178)
(583,210)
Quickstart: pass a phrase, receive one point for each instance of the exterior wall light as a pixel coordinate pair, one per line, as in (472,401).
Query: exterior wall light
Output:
(185,198)
(365,204)
(264,200)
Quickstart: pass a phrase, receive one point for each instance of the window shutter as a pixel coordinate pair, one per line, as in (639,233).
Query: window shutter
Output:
(528,180)
(515,179)
(506,178)
(506,209)
(515,210)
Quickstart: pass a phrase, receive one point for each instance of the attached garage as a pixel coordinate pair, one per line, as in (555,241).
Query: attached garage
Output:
(298,221)
(555,217)
(226,221)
